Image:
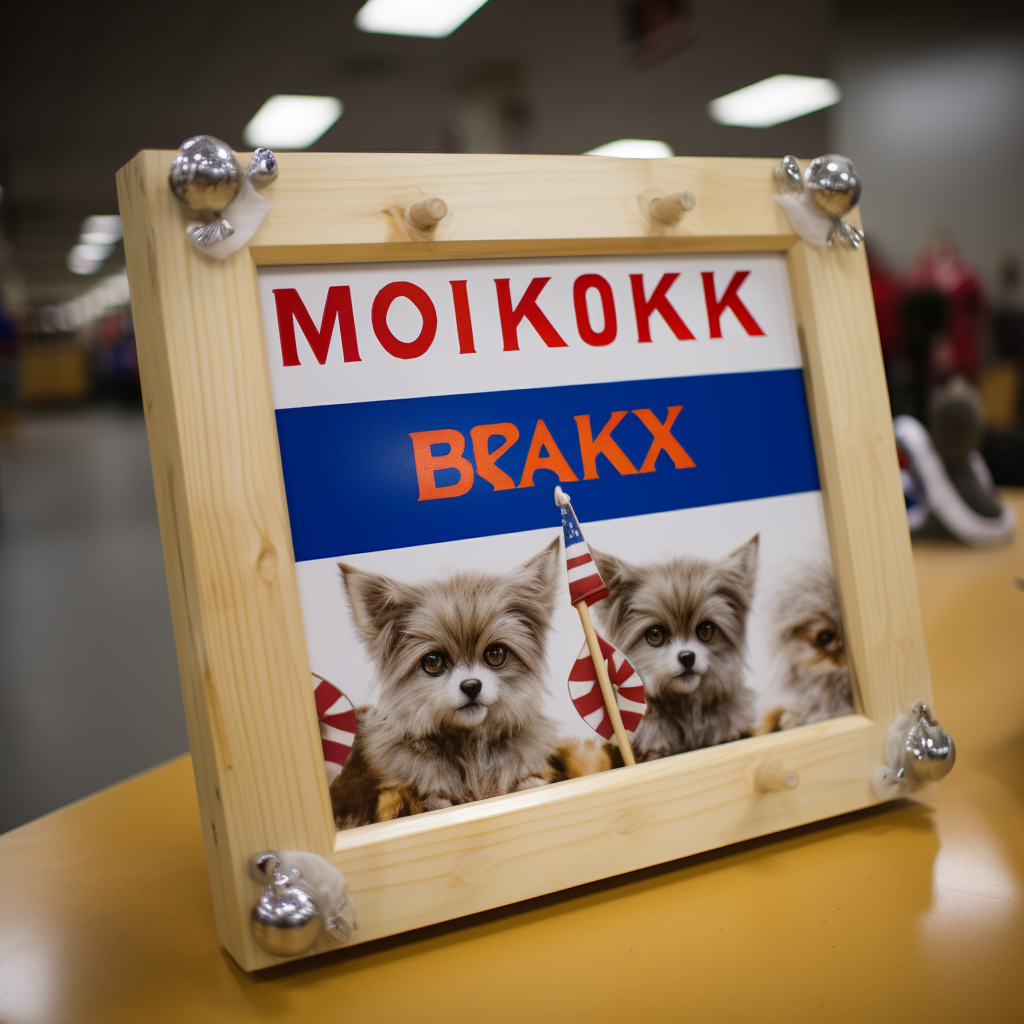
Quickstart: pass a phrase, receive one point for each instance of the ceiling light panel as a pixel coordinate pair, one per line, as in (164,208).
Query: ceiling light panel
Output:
(292,122)
(774,100)
(92,251)
(635,149)
(432,19)
(101,230)
(87,258)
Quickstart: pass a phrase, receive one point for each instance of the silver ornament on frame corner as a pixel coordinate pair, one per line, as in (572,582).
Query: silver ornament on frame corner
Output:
(305,895)
(917,751)
(207,178)
(816,200)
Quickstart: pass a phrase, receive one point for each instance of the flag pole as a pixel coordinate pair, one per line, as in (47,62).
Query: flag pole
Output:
(601,666)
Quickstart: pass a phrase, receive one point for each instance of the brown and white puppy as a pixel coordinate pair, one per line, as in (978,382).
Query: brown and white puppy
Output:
(459,669)
(683,625)
(807,630)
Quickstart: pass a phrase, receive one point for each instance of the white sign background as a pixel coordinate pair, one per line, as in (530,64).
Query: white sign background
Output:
(442,370)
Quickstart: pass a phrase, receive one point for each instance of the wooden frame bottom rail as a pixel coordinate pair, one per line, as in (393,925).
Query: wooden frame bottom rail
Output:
(444,864)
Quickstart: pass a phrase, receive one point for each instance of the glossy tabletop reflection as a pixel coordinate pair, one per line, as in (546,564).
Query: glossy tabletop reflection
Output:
(909,911)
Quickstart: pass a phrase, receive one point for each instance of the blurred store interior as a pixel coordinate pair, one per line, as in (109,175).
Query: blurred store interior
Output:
(930,108)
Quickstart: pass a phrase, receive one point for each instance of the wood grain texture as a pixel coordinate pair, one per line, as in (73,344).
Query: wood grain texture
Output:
(230,568)
(362,198)
(864,506)
(231,571)
(444,864)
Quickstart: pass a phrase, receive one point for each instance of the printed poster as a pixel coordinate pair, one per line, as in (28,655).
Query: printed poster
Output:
(427,411)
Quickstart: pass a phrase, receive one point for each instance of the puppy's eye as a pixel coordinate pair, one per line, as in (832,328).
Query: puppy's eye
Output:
(495,655)
(434,663)
(824,638)
(705,631)
(656,636)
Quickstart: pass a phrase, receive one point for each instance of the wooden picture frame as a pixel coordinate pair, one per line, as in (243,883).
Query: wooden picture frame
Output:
(231,572)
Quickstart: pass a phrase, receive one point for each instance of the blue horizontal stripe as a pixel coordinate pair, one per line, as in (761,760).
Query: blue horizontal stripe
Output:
(350,472)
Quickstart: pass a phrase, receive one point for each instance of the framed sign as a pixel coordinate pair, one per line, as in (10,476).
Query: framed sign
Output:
(357,424)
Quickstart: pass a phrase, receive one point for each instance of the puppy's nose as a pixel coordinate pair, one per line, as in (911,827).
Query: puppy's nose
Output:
(471,688)
(686,659)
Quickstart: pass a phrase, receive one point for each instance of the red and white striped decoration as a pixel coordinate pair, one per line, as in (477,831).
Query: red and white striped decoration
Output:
(585,690)
(337,724)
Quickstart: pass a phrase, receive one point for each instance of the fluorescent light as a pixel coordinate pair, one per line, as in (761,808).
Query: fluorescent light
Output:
(433,19)
(635,149)
(79,266)
(101,230)
(292,122)
(774,100)
(92,251)
(87,259)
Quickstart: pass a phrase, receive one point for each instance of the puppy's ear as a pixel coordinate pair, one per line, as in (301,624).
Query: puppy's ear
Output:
(376,601)
(741,566)
(535,582)
(616,573)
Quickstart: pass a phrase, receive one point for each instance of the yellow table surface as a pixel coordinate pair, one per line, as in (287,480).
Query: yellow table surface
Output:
(911,911)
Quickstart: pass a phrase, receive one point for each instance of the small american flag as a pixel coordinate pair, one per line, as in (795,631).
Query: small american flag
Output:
(337,724)
(585,690)
(585,583)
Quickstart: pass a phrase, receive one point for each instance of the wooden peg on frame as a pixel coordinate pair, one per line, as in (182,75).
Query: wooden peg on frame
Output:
(772,776)
(427,212)
(669,209)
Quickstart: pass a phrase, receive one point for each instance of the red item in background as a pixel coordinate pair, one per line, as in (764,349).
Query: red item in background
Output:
(941,267)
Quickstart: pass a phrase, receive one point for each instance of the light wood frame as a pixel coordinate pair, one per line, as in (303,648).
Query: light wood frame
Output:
(231,570)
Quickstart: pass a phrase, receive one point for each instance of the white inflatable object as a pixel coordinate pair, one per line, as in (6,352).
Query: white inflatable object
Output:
(942,498)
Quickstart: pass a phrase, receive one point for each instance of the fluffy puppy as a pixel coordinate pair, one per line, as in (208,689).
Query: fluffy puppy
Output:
(807,629)
(459,669)
(683,625)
